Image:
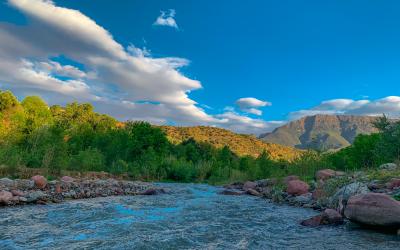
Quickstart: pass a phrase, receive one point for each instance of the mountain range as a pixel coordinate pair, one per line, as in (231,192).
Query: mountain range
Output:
(321,132)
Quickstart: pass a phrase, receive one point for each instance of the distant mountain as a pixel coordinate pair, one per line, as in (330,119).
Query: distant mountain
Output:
(238,143)
(322,132)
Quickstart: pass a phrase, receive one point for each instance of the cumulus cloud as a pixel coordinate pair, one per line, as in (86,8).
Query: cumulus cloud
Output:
(127,83)
(166,19)
(389,105)
(251,105)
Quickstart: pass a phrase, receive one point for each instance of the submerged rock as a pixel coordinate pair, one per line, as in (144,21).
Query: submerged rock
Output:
(231,192)
(374,209)
(328,217)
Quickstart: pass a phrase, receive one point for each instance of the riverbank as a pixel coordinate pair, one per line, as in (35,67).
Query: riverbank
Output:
(367,198)
(38,190)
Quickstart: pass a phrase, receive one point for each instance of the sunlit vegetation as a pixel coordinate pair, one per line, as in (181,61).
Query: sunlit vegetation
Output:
(76,138)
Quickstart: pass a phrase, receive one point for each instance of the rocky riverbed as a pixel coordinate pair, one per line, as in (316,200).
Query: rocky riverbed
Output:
(38,190)
(339,197)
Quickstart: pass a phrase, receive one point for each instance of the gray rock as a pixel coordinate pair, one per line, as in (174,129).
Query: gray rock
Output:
(341,197)
(24,184)
(35,196)
(6,182)
(388,166)
(302,199)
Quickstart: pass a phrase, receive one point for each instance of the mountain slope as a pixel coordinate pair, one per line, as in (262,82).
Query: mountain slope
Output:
(238,143)
(321,132)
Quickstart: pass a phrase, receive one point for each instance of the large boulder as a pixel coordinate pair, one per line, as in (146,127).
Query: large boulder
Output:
(297,187)
(325,174)
(340,198)
(40,181)
(35,196)
(374,209)
(388,166)
(5,197)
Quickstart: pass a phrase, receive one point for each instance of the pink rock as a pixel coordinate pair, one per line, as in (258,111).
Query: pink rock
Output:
(394,183)
(249,185)
(67,179)
(297,187)
(290,178)
(325,174)
(374,209)
(17,193)
(251,191)
(40,181)
(5,197)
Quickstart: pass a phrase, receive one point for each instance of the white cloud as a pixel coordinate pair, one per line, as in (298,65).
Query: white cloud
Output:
(125,82)
(389,105)
(251,105)
(166,19)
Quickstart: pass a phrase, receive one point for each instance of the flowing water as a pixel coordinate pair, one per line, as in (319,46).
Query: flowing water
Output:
(190,216)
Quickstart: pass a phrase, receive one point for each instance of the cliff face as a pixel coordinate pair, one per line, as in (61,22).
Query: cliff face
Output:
(321,132)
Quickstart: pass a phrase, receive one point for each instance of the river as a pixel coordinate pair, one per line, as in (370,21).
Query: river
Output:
(190,216)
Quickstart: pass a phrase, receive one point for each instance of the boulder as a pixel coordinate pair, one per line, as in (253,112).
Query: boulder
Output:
(230,192)
(394,183)
(297,187)
(40,181)
(17,192)
(327,217)
(374,209)
(325,174)
(5,197)
(388,166)
(249,185)
(302,199)
(290,178)
(35,196)
(67,179)
(341,197)
(266,182)
(251,191)
(6,182)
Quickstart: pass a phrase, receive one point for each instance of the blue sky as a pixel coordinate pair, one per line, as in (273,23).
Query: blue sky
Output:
(285,59)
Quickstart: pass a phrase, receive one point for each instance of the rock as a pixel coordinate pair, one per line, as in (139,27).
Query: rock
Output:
(249,185)
(67,179)
(236,185)
(23,199)
(153,191)
(331,217)
(312,222)
(297,187)
(24,184)
(388,166)
(231,192)
(6,182)
(290,178)
(374,209)
(17,192)
(40,181)
(318,193)
(5,197)
(328,217)
(302,199)
(325,174)
(251,191)
(394,183)
(343,194)
(35,196)
(266,182)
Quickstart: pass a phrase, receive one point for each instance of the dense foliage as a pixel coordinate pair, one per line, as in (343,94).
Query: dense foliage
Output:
(75,138)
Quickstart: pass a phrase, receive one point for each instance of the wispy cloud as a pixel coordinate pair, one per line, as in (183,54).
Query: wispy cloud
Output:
(252,105)
(167,19)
